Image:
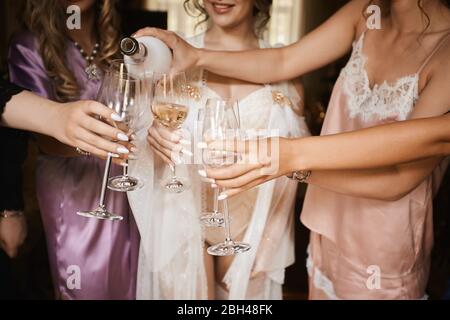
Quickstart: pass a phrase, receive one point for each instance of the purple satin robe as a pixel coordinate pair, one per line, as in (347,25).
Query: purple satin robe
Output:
(89,258)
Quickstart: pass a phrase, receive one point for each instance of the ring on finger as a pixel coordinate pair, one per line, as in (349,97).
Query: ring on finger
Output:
(82,152)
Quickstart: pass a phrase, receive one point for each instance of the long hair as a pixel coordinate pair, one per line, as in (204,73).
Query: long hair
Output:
(46,19)
(385,6)
(261,12)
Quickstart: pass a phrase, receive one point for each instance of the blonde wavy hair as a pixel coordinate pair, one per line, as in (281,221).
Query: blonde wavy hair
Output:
(46,19)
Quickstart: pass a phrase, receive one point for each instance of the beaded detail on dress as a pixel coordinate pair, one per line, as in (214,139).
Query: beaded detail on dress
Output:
(383,101)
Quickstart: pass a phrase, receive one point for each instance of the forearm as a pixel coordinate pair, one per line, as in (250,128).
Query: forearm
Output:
(330,41)
(374,147)
(272,65)
(387,183)
(30,112)
(368,184)
(257,66)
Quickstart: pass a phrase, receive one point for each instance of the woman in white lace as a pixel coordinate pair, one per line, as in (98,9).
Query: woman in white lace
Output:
(262,217)
(371,229)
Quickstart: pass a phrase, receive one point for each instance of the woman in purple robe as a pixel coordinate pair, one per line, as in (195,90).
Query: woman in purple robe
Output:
(89,258)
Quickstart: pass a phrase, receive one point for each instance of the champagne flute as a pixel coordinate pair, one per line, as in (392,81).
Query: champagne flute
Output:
(222,123)
(139,89)
(116,94)
(208,118)
(170,107)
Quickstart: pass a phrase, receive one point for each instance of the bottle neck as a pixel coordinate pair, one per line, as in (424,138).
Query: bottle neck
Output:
(140,54)
(134,49)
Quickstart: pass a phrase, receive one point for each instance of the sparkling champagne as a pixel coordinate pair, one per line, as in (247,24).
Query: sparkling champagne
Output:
(170,115)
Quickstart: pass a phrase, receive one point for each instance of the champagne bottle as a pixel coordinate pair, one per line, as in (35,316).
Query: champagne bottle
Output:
(148,54)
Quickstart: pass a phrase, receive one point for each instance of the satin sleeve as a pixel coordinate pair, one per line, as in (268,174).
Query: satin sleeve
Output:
(26,67)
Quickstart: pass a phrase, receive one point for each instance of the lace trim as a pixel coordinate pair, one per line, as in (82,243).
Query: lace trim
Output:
(384,100)
(320,281)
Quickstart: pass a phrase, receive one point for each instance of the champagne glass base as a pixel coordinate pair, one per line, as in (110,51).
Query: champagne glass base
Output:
(100,213)
(228,248)
(124,183)
(212,219)
(175,185)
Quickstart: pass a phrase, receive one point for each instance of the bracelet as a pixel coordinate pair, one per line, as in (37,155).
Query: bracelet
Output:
(301,176)
(9,214)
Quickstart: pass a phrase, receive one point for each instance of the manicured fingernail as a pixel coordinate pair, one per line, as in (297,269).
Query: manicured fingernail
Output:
(113,155)
(133,137)
(202,145)
(132,157)
(213,185)
(209,180)
(122,137)
(222,196)
(186,152)
(185,142)
(134,149)
(116,117)
(123,150)
(202,173)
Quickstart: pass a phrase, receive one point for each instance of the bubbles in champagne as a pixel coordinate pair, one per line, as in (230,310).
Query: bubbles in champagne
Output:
(170,115)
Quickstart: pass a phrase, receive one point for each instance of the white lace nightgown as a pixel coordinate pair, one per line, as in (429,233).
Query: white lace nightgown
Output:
(171,257)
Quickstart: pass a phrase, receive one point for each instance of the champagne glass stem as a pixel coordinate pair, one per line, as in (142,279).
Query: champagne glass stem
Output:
(105,181)
(174,172)
(216,200)
(227,221)
(125,168)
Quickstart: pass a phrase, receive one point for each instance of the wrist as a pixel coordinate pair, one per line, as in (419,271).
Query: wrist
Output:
(295,157)
(200,61)
(297,170)
(54,117)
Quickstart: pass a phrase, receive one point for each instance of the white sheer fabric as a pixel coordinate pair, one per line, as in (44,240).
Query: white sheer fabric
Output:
(259,273)
(171,262)
(171,252)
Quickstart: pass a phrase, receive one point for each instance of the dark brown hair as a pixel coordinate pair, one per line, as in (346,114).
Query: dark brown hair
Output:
(385,8)
(46,20)
(261,12)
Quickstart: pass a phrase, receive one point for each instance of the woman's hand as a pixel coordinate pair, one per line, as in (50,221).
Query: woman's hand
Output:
(13,231)
(262,161)
(185,56)
(167,144)
(76,124)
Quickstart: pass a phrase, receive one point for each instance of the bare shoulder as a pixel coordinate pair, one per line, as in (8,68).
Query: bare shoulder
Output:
(357,11)
(440,63)
(358,6)
(435,78)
